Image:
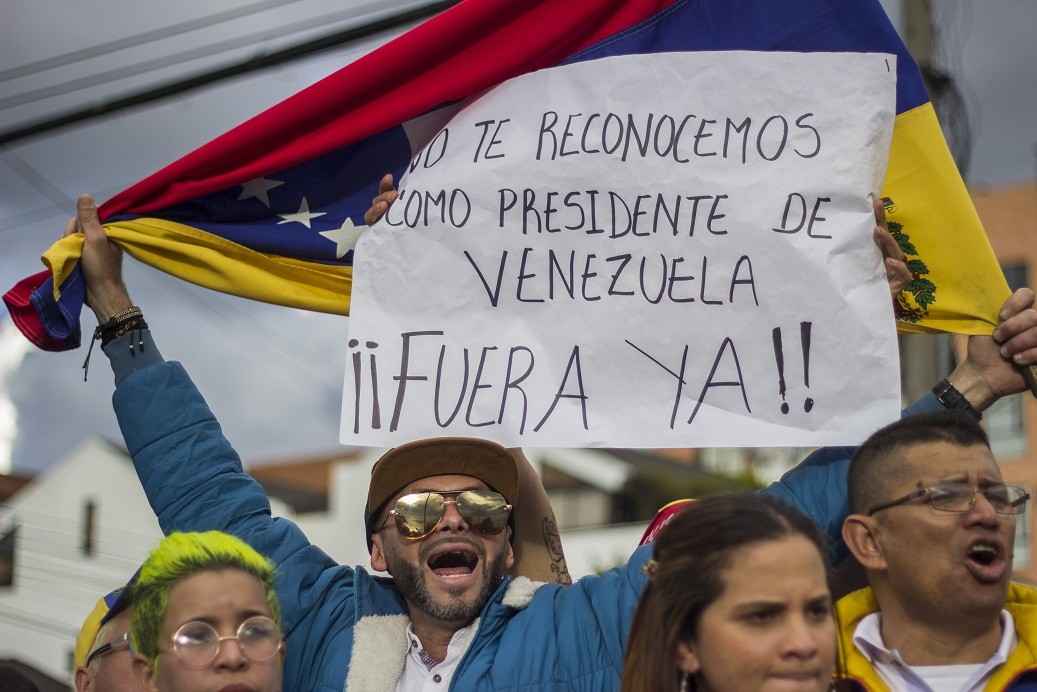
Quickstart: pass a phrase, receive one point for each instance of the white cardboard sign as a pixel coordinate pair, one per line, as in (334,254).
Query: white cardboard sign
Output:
(665,250)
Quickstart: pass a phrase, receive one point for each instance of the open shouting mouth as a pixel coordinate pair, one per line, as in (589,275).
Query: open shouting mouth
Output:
(453,561)
(985,560)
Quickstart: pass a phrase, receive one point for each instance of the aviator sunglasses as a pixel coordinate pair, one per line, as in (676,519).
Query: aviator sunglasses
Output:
(417,515)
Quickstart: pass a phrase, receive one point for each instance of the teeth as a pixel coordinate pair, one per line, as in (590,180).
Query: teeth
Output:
(983,554)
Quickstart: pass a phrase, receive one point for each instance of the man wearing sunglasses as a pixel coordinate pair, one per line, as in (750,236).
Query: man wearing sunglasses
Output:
(433,520)
(933,525)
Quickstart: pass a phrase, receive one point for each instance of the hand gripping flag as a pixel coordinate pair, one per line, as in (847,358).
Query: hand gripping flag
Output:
(271,210)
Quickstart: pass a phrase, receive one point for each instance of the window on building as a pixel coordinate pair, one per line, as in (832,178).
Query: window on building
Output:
(1015,275)
(89,529)
(1006,426)
(924,360)
(7,552)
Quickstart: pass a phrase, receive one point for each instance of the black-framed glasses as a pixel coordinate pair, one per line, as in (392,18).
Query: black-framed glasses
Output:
(952,496)
(107,648)
(417,515)
(197,643)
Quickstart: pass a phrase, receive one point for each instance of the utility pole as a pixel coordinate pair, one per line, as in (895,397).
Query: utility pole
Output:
(918,32)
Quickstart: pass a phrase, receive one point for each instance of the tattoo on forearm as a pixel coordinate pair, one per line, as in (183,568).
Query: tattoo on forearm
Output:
(553,541)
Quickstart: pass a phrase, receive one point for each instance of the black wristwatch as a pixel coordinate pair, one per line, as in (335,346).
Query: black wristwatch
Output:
(950,397)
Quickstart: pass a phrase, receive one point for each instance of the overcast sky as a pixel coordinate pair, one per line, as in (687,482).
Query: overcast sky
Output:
(273,375)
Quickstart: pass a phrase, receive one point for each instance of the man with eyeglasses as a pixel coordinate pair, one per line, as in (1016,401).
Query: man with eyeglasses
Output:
(102,655)
(933,525)
(448,619)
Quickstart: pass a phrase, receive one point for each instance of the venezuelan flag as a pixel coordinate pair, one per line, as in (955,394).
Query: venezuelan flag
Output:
(271,210)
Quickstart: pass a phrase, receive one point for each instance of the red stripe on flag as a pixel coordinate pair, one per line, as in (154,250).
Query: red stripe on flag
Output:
(470,47)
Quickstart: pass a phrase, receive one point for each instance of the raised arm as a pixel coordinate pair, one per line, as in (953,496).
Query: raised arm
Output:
(191,473)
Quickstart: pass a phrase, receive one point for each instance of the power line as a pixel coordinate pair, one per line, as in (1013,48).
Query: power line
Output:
(38,584)
(140,67)
(40,183)
(139,39)
(104,551)
(60,207)
(34,621)
(288,348)
(331,41)
(65,526)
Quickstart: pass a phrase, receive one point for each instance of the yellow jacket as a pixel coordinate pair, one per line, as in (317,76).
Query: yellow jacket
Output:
(1019,672)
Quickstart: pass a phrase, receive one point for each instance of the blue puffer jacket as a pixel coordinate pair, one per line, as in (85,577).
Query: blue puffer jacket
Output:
(528,637)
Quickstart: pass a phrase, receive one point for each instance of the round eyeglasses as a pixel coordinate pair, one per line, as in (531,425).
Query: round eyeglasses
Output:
(417,515)
(197,644)
(952,496)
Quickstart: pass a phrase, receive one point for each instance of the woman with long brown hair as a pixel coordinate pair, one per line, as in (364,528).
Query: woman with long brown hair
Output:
(738,599)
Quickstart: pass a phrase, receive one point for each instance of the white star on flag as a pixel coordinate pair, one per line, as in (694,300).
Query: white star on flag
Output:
(344,237)
(258,188)
(302,216)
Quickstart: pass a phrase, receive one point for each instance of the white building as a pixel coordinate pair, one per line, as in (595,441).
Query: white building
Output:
(82,528)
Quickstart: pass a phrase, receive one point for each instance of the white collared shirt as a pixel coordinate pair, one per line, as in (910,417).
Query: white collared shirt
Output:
(421,673)
(951,678)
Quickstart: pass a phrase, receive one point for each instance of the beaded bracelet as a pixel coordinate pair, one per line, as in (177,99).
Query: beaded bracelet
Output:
(106,332)
(126,322)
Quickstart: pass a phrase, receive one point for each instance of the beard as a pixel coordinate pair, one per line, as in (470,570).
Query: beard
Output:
(414,589)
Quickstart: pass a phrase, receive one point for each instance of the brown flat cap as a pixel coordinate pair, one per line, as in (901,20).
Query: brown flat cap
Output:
(464,456)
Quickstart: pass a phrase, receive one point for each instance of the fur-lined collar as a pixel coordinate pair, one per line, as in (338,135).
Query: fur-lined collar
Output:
(380,642)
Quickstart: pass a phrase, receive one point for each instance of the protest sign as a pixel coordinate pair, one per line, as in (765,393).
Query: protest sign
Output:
(659,250)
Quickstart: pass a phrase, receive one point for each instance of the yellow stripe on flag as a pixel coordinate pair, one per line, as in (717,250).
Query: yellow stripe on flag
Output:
(213,262)
(958,286)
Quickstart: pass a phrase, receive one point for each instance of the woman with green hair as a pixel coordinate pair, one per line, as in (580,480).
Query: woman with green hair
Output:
(206,617)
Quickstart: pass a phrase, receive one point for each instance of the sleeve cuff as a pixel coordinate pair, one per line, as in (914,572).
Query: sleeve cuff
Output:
(927,404)
(131,353)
